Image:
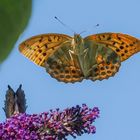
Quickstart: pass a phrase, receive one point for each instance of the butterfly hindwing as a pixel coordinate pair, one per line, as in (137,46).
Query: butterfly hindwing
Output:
(124,45)
(98,61)
(103,61)
(63,64)
(39,48)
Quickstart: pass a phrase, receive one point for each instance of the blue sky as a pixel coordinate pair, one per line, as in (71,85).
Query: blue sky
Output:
(118,98)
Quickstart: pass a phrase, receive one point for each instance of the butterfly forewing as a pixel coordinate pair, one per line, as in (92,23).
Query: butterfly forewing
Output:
(39,48)
(124,45)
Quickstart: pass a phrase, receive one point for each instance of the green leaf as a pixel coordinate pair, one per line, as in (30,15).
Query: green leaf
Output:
(14,16)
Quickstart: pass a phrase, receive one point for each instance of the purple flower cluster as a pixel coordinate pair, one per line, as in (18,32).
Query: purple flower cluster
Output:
(52,125)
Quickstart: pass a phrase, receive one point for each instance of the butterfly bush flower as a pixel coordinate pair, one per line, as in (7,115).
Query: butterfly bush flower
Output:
(52,125)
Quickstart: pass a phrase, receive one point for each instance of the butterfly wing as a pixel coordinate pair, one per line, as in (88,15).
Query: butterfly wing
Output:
(20,100)
(39,48)
(9,102)
(124,45)
(63,64)
(102,61)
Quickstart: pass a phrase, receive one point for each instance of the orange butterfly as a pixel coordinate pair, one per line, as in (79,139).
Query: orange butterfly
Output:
(72,59)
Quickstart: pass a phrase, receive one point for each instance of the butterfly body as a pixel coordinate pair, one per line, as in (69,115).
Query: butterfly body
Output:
(72,59)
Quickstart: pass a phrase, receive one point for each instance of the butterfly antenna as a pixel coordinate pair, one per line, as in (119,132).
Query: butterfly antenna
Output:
(86,31)
(82,32)
(97,25)
(64,24)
